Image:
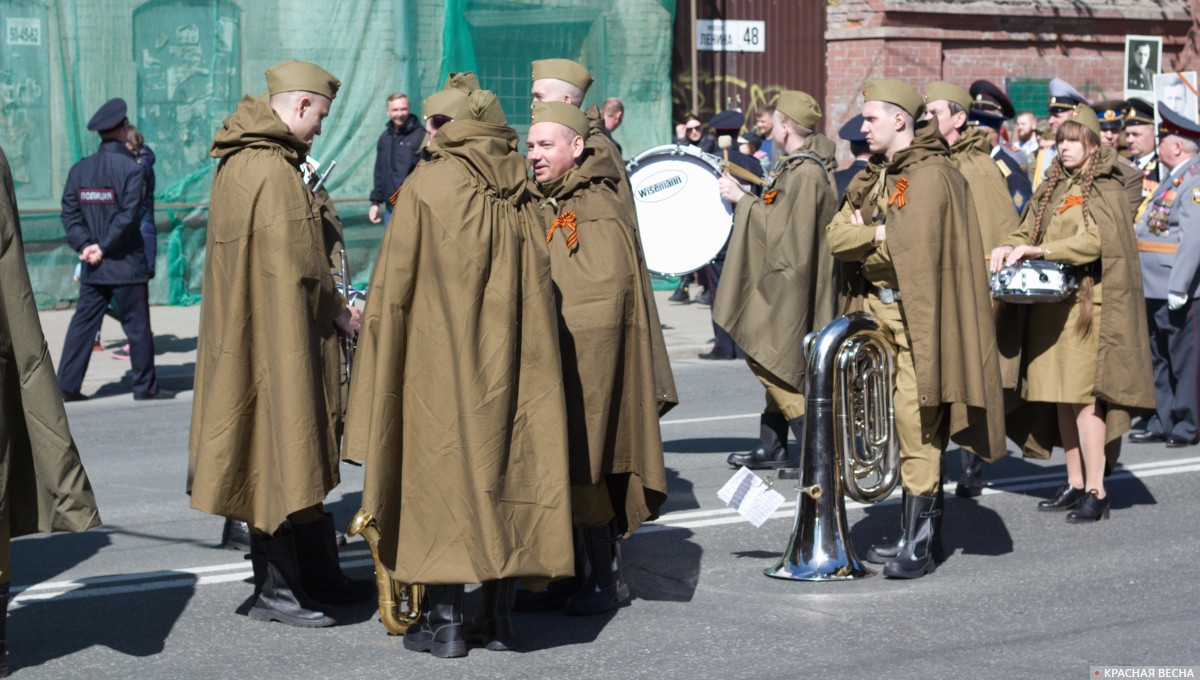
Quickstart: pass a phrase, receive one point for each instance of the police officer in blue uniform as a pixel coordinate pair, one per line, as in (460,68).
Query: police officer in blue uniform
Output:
(726,124)
(1168,238)
(101,209)
(990,107)
(852,133)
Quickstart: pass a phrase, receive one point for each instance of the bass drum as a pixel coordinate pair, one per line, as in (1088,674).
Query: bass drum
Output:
(684,222)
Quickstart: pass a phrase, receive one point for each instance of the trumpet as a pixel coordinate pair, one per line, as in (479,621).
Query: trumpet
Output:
(850,447)
(399,604)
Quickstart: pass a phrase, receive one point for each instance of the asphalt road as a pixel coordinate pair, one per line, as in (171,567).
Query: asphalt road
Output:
(1022,594)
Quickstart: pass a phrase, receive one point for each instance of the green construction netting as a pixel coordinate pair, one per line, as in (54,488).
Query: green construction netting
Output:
(182,65)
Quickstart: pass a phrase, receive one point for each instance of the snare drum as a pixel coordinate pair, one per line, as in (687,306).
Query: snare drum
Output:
(1031,281)
(684,222)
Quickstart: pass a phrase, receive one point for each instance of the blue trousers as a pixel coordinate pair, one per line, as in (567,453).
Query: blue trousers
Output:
(133,308)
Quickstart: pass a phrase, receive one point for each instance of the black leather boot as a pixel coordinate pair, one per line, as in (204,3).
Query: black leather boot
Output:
(320,569)
(4,587)
(772,448)
(916,557)
(235,535)
(970,482)
(555,595)
(492,627)
(1066,498)
(885,552)
(440,631)
(278,593)
(603,586)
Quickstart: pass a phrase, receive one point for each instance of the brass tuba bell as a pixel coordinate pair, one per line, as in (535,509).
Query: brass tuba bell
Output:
(399,604)
(850,447)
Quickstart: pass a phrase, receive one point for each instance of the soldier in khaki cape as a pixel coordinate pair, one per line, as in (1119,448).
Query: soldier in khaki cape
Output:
(950,104)
(1085,360)
(457,405)
(779,277)
(908,229)
(44,485)
(606,340)
(268,401)
(563,80)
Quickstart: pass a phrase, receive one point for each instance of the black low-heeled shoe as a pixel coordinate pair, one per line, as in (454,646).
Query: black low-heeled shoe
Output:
(1092,509)
(1066,498)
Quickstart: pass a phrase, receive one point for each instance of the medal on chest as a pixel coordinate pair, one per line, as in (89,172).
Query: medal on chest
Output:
(1158,220)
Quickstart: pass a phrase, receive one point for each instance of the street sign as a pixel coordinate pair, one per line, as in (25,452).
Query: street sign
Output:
(734,35)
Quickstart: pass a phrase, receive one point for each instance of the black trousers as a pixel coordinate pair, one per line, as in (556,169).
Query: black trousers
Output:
(723,345)
(1174,353)
(133,308)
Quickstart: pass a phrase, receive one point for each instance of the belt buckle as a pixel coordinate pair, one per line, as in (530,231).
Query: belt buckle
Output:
(887,296)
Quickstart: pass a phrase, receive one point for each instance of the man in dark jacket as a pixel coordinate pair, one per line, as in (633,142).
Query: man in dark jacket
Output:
(101,213)
(395,154)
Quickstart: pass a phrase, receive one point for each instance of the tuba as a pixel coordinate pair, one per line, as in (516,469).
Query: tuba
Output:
(399,604)
(849,447)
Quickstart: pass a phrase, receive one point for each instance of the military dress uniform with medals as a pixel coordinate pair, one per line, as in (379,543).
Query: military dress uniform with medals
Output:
(990,108)
(1169,250)
(1142,113)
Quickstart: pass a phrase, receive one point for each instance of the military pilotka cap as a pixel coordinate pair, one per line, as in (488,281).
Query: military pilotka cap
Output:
(483,106)
(895,92)
(108,116)
(1176,124)
(1140,113)
(301,76)
(563,114)
(1085,116)
(799,106)
(466,81)
(727,120)
(447,103)
(565,70)
(942,90)
(1063,97)
(1111,113)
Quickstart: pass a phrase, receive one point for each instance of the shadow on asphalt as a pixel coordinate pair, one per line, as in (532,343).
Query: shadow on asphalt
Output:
(180,378)
(42,557)
(710,445)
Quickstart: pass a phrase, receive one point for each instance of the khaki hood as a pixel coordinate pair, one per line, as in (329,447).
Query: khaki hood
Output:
(487,149)
(256,125)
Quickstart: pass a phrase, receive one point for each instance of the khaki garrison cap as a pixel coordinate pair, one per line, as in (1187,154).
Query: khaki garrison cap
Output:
(895,92)
(565,70)
(562,113)
(293,76)
(940,90)
(1085,116)
(448,103)
(799,106)
(483,106)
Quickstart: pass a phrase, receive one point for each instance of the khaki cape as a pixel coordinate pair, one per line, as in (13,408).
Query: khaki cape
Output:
(935,244)
(779,278)
(43,486)
(1124,382)
(456,404)
(268,399)
(607,333)
(989,190)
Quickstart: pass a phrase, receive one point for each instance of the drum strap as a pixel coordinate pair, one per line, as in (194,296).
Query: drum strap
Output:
(1158,247)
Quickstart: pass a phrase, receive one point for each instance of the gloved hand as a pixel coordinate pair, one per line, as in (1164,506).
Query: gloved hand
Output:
(1176,300)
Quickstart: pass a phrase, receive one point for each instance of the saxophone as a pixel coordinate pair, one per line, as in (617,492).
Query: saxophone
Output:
(399,604)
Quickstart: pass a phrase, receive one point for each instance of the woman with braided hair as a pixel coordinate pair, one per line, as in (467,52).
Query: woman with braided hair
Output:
(1085,362)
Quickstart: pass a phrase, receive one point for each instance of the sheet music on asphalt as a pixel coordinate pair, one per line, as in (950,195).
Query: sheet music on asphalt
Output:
(747,493)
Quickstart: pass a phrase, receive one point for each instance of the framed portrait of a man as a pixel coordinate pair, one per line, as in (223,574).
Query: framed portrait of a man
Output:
(1143,59)
(1176,91)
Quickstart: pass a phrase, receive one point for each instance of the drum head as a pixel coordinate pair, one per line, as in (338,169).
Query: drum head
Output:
(684,222)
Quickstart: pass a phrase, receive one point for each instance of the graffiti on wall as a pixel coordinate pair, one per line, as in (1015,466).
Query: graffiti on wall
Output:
(24,100)
(719,93)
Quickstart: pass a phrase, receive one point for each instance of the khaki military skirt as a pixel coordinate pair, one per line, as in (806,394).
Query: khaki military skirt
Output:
(1060,361)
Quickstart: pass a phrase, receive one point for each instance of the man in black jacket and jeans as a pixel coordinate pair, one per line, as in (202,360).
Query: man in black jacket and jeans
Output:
(101,214)
(395,154)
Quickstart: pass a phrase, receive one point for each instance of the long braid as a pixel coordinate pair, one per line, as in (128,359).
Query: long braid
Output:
(1087,282)
(1035,236)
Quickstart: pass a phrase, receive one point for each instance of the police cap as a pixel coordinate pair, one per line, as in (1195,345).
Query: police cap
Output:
(1140,113)
(852,131)
(727,120)
(108,116)
(1176,124)
(1063,97)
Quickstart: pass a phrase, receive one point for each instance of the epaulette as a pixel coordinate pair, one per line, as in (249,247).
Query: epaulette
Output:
(1004,169)
(1194,169)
